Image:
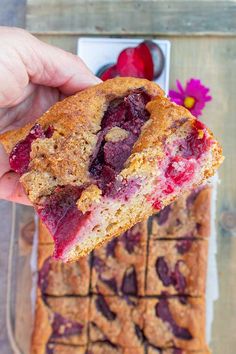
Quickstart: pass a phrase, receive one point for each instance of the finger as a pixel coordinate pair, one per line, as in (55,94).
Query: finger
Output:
(14,77)
(69,73)
(10,186)
(51,66)
(24,58)
(12,190)
(33,106)
(26,94)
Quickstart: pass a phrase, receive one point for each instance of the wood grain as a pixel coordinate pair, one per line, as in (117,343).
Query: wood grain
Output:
(122,17)
(12,13)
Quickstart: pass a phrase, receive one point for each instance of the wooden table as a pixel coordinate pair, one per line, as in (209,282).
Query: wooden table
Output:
(203,38)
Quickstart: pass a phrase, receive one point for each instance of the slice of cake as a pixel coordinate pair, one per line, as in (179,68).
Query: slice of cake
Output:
(118,320)
(177,322)
(60,320)
(108,309)
(120,266)
(177,267)
(106,158)
(56,278)
(186,218)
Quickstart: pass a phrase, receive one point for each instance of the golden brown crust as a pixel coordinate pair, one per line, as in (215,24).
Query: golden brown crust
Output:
(125,255)
(191,265)
(64,158)
(188,216)
(201,212)
(190,316)
(75,120)
(71,308)
(66,349)
(78,108)
(74,309)
(105,348)
(165,118)
(63,279)
(42,326)
(44,236)
(70,117)
(127,312)
(152,350)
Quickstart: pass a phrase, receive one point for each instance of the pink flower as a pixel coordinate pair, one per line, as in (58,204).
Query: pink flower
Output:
(193,97)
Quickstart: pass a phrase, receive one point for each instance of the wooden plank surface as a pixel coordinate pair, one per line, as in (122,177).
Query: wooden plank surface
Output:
(137,17)
(12,13)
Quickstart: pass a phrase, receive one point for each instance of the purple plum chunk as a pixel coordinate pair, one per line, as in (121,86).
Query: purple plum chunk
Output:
(62,217)
(169,277)
(103,307)
(162,216)
(109,158)
(111,246)
(115,114)
(177,351)
(111,283)
(183,246)
(130,240)
(163,271)
(116,153)
(178,280)
(49,348)
(98,264)
(43,276)
(63,327)
(139,333)
(129,283)
(20,155)
(163,311)
(192,197)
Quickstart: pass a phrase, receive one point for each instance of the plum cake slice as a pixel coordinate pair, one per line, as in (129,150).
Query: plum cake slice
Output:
(106,158)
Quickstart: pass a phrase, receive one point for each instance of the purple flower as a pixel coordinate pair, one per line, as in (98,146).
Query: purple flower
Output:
(193,97)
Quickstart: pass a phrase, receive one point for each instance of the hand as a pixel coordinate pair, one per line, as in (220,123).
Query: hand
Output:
(34,75)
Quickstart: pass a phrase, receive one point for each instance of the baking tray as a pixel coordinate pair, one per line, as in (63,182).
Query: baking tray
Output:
(21,278)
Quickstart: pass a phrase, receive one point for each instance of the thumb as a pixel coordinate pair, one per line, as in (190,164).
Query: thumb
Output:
(61,69)
(12,190)
(10,186)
